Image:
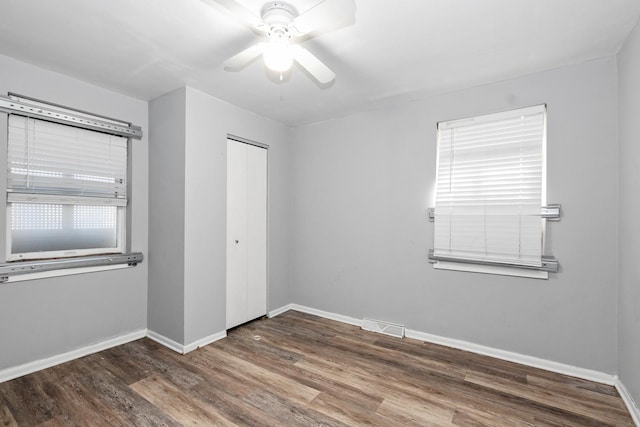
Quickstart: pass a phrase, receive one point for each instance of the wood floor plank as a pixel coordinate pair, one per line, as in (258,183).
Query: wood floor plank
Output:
(27,401)
(576,387)
(121,364)
(232,405)
(482,419)
(399,358)
(391,387)
(120,401)
(599,411)
(224,389)
(6,419)
(77,405)
(481,363)
(487,402)
(151,357)
(350,394)
(390,390)
(335,408)
(61,421)
(301,370)
(414,412)
(349,371)
(449,363)
(289,413)
(263,377)
(173,401)
(332,348)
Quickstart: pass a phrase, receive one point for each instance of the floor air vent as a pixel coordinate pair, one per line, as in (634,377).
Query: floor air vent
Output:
(382,327)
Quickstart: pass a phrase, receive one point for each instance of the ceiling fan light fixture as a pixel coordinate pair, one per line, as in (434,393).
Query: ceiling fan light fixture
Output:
(277,55)
(281,23)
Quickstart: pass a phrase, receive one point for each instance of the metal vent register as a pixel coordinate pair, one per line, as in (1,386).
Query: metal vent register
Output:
(382,327)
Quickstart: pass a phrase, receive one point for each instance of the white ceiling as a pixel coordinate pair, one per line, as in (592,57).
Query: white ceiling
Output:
(395,48)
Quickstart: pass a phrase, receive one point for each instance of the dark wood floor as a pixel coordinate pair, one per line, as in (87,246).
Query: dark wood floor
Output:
(298,369)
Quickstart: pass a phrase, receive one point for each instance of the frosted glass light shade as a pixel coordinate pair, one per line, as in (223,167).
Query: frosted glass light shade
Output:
(277,55)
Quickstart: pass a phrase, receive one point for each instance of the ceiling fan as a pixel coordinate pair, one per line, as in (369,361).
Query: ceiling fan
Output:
(280,25)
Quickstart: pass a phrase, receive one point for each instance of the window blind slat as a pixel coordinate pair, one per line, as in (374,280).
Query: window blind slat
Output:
(63,200)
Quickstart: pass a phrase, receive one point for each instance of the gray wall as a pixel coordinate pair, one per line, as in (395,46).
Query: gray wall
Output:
(187,286)
(360,235)
(167,125)
(629,294)
(46,317)
(209,120)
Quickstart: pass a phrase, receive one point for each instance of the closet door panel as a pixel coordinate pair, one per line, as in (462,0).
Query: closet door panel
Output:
(256,232)
(236,233)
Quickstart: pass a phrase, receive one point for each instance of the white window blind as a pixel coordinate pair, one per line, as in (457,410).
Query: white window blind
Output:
(66,190)
(491,187)
(53,163)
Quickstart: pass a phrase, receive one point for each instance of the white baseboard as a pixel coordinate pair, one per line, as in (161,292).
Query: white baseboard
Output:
(204,341)
(185,348)
(628,400)
(167,342)
(327,315)
(37,365)
(535,362)
(279,311)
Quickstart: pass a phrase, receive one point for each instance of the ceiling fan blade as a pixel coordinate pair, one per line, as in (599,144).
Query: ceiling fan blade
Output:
(313,65)
(324,14)
(238,11)
(242,59)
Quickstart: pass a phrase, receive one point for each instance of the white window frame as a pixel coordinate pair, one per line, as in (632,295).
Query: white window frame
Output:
(121,216)
(488,266)
(34,108)
(37,190)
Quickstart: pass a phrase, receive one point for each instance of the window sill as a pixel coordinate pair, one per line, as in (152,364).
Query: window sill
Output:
(491,269)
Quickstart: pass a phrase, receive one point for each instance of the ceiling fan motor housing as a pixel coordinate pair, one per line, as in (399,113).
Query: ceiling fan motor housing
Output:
(277,16)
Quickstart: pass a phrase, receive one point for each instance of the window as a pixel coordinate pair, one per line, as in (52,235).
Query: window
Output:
(66,190)
(490,191)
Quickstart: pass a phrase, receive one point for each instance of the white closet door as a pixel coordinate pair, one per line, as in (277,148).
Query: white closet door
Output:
(246,232)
